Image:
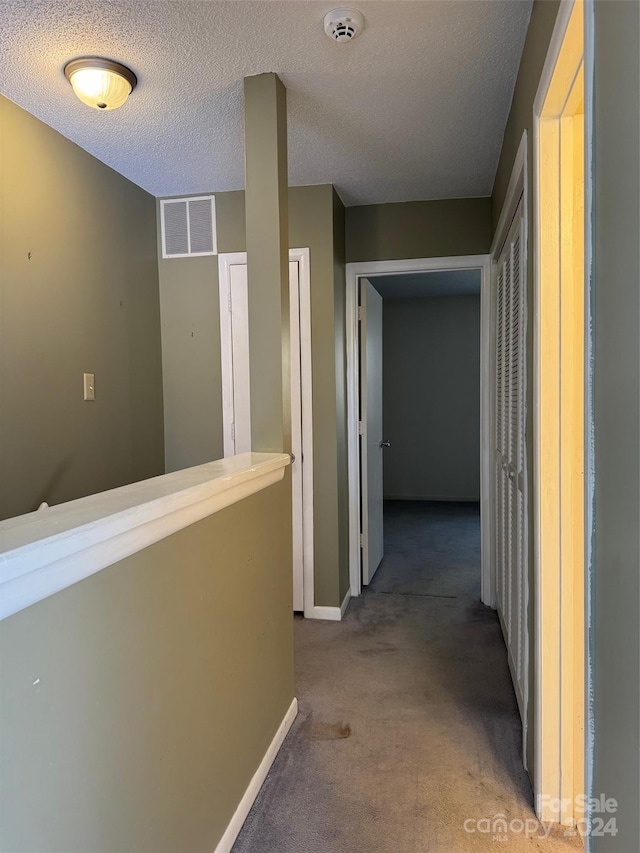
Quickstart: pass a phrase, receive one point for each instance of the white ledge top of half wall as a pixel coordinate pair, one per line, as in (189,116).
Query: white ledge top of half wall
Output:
(44,552)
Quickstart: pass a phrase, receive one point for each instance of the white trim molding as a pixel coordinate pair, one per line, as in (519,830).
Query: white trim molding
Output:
(44,552)
(332,614)
(244,806)
(345,603)
(371,269)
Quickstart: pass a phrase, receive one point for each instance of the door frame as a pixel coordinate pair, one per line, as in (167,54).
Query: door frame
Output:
(554,653)
(370,270)
(302,257)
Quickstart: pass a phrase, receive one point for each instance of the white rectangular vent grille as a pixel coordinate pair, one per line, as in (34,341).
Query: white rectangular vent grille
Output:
(188,226)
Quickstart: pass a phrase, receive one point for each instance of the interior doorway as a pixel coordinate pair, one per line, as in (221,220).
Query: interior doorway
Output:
(365,444)
(419,419)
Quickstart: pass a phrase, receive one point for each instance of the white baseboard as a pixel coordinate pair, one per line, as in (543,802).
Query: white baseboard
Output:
(345,603)
(240,815)
(331,614)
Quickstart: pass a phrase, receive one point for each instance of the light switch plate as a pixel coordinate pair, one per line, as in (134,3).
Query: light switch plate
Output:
(89,386)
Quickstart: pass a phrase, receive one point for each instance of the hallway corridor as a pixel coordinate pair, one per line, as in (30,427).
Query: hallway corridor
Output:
(408,724)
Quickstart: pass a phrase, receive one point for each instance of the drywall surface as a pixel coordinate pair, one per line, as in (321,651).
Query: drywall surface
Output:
(543,18)
(79,293)
(137,704)
(191,363)
(616,313)
(340,296)
(418,229)
(431,398)
(190,340)
(267,237)
(311,224)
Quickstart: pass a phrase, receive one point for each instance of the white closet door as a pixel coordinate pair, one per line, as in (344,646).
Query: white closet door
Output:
(234,333)
(510,458)
(239,319)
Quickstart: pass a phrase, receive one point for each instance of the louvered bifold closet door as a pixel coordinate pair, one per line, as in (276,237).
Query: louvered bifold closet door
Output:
(499,440)
(510,461)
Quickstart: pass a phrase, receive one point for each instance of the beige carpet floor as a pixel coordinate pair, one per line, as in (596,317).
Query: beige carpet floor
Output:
(408,738)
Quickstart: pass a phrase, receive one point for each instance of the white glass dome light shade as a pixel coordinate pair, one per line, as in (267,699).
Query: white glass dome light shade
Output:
(100,83)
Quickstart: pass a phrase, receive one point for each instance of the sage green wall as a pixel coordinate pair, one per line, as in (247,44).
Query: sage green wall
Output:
(191,363)
(431,398)
(137,704)
(313,217)
(78,293)
(541,24)
(418,229)
(340,299)
(616,314)
(267,239)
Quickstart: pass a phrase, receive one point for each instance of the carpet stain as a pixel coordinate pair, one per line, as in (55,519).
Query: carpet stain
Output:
(326,731)
(384,650)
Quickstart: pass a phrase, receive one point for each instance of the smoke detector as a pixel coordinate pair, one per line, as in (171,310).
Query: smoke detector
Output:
(343,24)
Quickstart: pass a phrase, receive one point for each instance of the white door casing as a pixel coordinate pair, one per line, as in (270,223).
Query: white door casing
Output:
(355,273)
(297,473)
(371,439)
(234,334)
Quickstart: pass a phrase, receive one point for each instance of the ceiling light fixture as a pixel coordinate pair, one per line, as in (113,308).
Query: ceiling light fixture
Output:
(100,83)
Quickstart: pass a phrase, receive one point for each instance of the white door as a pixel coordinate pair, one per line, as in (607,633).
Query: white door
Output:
(371,440)
(234,333)
(510,460)
(239,439)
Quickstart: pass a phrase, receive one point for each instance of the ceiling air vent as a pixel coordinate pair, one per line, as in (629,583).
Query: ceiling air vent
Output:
(188,226)
(343,24)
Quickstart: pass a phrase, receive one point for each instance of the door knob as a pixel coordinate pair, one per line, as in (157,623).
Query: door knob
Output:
(385,444)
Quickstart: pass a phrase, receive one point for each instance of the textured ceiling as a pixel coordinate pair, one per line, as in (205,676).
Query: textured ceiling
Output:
(422,285)
(415,108)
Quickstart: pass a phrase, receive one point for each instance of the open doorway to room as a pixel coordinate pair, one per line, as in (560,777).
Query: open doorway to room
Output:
(415,469)
(420,425)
